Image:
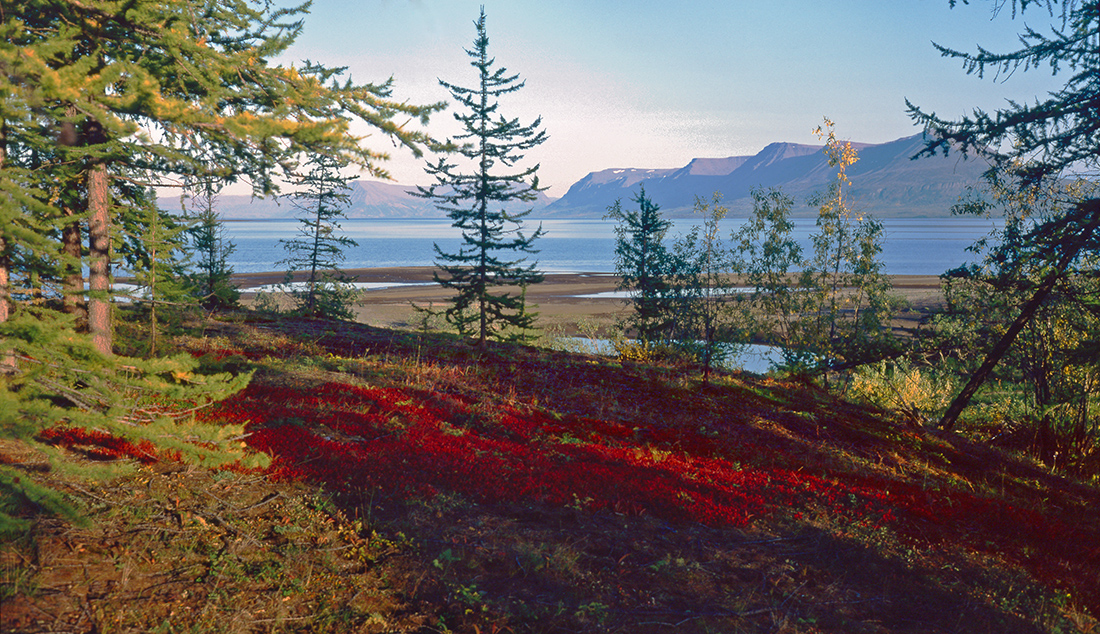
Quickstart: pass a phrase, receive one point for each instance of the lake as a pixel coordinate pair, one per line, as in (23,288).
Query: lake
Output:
(919,246)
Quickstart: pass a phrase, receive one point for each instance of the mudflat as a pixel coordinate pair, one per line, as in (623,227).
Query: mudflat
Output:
(569,302)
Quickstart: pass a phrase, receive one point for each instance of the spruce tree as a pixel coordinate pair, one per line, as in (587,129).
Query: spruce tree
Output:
(645,267)
(211,275)
(480,272)
(1033,143)
(142,89)
(98,99)
(318,249)
(152,244)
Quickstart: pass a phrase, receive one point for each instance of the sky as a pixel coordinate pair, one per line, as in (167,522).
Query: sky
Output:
(653,84)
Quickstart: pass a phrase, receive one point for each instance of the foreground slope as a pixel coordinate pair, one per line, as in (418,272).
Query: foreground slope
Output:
(528,490)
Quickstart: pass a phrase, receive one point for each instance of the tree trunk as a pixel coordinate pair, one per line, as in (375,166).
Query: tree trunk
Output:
(7,359)
(1070,249)
(73,282)
(99,260)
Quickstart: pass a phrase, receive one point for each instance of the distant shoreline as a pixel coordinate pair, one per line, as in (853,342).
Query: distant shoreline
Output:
(418,274)
(571,303)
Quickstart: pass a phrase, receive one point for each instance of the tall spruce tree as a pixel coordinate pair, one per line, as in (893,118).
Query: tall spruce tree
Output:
(97,98)
(482,276)
(318,249)
(138,89)
(1032,143)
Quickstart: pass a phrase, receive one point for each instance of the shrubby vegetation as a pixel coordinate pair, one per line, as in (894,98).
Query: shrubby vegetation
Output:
(826,312)
(1034,146)
(1044,390)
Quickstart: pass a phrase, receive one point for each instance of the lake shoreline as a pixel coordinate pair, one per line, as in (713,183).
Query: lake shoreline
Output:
(566,302)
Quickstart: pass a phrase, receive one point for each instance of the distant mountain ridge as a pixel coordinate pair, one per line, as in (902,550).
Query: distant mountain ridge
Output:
(885,181)
(367,199)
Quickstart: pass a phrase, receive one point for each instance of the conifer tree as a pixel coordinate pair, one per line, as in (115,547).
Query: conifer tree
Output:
(140,89)
(319,248)
(645,267)
(97,100)
(1032,143)
(475,201)
(151,245)
(211,277)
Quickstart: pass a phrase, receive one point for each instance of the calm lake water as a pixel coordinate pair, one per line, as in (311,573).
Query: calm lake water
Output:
(923,246)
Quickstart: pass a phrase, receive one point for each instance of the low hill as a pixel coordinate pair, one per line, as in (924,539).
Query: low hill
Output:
(368,199)
(418,485)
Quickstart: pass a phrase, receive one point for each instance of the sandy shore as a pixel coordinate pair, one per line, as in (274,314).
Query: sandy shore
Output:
(563,300)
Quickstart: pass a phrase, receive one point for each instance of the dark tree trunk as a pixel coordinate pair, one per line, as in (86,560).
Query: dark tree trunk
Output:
(73,282)
(7,359)
(1070,248)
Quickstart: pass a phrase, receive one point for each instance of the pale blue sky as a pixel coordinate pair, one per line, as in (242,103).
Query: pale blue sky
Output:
(652,84)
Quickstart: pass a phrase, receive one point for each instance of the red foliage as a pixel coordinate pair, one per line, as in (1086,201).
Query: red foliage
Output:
(100,445)
(419,444)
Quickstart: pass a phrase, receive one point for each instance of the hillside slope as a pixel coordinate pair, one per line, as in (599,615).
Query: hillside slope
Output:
(527,490)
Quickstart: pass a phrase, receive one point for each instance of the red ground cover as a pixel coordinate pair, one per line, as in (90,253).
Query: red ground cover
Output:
(415,444)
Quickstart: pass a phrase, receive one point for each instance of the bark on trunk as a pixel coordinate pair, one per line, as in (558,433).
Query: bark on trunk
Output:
(99,262)
(7,359)
(73,282)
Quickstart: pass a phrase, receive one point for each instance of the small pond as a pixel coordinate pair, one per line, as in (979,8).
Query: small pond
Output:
(755,358)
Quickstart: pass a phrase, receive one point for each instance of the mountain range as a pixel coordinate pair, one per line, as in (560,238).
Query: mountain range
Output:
(367,199)
(886,183)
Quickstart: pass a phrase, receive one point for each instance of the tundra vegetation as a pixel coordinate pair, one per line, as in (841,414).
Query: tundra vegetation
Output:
(290,473)
(826,312)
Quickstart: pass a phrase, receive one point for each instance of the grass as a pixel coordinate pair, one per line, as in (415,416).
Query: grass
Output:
(418,485)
